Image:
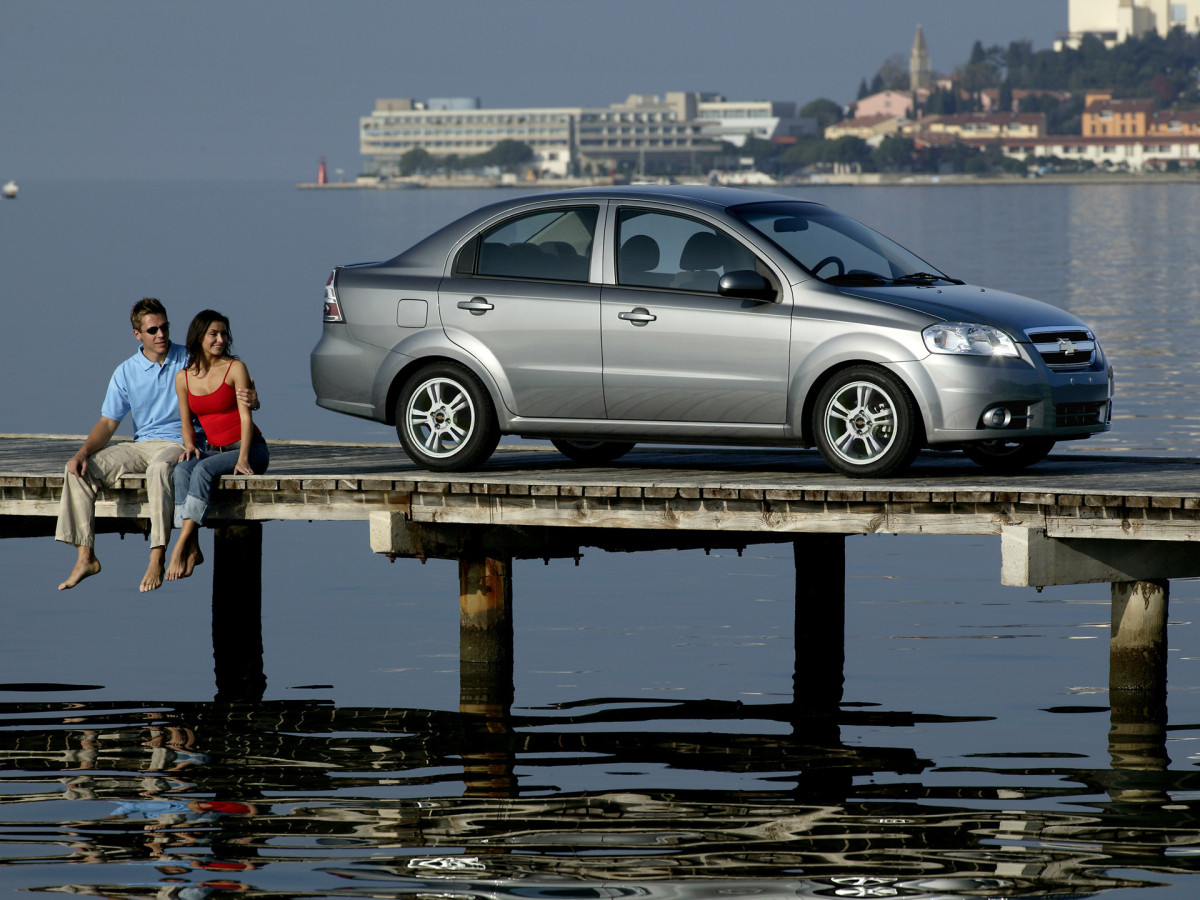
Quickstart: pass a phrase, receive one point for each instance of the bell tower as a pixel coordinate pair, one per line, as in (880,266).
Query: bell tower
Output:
(919,77)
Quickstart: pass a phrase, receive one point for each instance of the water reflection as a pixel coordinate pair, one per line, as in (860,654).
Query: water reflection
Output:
(381,801)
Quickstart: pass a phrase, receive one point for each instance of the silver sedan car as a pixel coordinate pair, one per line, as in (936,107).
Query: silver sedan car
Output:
(603,317)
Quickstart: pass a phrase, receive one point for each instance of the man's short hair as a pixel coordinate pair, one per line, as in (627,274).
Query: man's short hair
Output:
(147,306)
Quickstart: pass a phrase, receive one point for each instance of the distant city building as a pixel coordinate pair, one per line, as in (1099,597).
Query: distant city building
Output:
(979,126)
(989,98)
(1112,21)
(1103,116)
(872,129)
(1131,154)
(735,120)
(885,103)
(567,140)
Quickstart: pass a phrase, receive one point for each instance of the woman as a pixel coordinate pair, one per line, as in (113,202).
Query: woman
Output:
(206,389)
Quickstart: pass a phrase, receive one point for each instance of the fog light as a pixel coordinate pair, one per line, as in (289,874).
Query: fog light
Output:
(999,417)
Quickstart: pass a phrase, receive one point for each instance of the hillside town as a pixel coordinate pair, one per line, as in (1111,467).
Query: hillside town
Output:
(999,113)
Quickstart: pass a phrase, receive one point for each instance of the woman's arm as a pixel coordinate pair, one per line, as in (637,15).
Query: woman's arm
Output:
(240,378)
(185,418)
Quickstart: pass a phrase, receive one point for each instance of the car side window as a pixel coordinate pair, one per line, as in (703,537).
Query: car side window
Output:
(547,245)
(662,250)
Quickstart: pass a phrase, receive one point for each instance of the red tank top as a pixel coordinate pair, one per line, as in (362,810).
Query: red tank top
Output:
(218,413)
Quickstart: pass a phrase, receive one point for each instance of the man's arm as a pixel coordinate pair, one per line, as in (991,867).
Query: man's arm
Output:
(97,439)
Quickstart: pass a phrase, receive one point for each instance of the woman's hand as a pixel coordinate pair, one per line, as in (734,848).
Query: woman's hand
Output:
(248,396)
(188,453)
(243,468)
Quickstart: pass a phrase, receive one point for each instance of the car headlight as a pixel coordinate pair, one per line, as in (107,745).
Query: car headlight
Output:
(967,338)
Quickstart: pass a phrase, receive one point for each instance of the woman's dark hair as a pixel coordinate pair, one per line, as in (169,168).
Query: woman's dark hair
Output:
(197,330)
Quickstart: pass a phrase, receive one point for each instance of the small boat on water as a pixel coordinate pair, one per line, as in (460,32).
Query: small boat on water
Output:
(10,190)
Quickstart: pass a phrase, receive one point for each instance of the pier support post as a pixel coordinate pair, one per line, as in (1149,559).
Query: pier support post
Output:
(1137,689)
(485,647)
(820,629)
(1138,642)
(237,612)
(485,679)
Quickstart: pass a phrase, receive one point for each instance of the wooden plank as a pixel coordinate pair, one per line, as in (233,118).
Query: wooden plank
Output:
(684,489)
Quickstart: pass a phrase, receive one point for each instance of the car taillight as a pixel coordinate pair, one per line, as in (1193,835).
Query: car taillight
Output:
(333,309)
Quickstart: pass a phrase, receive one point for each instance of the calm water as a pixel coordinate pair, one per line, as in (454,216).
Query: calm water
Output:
(653,746)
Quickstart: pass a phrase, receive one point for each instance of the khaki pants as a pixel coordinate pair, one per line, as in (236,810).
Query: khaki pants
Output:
(154,459)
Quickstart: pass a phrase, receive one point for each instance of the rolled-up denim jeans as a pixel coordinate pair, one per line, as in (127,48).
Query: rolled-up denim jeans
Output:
(196,478)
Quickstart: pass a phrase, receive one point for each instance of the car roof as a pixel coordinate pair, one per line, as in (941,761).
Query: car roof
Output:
(708,195)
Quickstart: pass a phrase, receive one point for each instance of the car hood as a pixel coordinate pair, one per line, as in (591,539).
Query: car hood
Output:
(970,303)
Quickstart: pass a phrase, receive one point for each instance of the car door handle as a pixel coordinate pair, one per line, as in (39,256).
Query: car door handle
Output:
(476,305)
(638,316)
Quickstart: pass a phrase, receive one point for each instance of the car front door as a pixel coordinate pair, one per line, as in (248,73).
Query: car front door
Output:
(674,349)
(521,301)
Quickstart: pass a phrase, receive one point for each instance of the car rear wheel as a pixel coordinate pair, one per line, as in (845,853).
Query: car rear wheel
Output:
(445,419)
(592,453)
(866,423)
(1002,457)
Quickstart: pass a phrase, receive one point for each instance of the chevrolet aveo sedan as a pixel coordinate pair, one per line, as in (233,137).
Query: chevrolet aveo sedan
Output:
(603,317)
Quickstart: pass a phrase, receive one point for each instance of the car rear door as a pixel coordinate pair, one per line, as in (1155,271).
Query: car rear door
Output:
(674,349)
(520,300)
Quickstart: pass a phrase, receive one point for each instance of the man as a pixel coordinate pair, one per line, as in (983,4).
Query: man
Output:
(143,385)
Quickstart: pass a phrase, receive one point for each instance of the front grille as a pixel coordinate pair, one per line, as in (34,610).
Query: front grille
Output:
(1073,415)
(1064,348)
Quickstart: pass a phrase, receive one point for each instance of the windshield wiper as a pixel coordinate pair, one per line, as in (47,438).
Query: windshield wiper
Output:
(917,277)
(857,278)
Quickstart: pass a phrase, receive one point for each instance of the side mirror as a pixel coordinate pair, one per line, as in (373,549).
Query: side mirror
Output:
(745,283)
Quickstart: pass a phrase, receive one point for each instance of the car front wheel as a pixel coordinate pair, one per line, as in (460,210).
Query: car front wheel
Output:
(592,453)
(866,423)
(445,419)
(1003,457)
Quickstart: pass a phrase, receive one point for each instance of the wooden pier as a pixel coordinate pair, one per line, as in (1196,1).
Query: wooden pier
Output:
(1133,523)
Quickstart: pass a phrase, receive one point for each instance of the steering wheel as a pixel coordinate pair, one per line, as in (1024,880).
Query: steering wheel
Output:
(841,266)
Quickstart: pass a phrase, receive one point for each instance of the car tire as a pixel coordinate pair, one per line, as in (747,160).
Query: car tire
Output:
(866,423)
(1002,457)
(592,453)
(445,419)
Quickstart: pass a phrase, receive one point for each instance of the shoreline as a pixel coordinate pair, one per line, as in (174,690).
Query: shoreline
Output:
(864,179)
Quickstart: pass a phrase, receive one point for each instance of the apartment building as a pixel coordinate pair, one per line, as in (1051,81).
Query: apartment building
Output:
(570,140)
(1112,21)
(979,126)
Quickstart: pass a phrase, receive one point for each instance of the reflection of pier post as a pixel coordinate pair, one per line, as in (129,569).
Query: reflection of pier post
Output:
(1137,688)
(820,629)
(237,612)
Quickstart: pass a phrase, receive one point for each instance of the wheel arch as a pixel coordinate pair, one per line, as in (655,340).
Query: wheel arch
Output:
(919,391)
(444,355)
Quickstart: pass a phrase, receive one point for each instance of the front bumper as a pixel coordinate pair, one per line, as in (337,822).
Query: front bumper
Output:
(960,391)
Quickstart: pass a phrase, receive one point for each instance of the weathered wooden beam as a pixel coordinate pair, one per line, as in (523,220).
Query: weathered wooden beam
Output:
(1029,558)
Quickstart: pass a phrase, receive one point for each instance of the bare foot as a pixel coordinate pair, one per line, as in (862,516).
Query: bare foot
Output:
(175,570)
(153,578)
(194,558)
(85,567)
(185,557)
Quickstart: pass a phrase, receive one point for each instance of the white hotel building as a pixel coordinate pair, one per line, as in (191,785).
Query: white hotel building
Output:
(568,140)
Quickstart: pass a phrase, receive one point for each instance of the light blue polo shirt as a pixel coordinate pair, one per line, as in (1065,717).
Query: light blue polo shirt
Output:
(147,390)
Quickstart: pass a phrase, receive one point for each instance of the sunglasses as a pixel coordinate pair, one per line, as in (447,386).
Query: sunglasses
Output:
(153,329)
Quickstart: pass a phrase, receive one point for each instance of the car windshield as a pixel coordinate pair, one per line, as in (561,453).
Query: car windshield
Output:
(835,248)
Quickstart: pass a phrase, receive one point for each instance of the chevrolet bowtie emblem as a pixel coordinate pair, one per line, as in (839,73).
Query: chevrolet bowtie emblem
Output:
(1066,347)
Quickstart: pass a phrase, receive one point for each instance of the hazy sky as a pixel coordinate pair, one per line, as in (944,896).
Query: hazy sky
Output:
(263,88)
